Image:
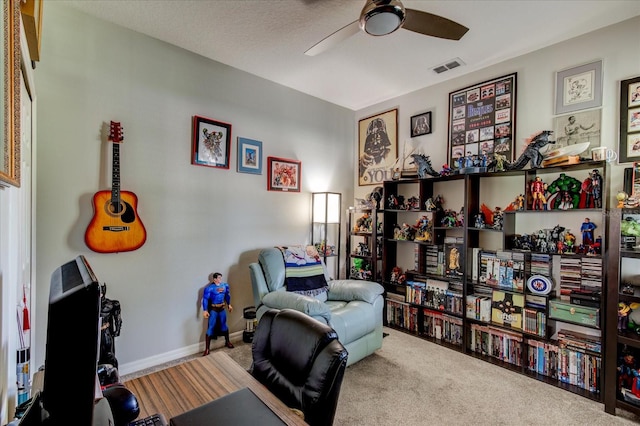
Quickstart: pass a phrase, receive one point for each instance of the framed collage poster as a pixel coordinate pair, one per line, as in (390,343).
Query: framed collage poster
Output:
(211,143)
(629,120)
(283,174)
(482,122)
(377,147)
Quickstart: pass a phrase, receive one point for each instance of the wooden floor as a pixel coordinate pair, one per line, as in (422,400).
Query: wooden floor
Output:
(178,389)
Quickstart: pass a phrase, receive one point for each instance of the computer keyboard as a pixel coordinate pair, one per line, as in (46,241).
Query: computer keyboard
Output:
(152,420)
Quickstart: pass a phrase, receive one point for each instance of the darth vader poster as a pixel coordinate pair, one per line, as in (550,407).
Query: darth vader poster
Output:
(378,147)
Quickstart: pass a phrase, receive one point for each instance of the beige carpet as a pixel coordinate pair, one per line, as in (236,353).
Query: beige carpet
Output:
(414,382)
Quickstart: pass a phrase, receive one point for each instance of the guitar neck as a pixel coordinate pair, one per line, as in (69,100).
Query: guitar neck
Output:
(115,174)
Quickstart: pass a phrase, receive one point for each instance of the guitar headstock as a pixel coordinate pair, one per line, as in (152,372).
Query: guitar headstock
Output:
(115,132)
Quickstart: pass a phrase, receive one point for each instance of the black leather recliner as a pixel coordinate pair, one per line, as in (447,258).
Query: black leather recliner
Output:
(300,360)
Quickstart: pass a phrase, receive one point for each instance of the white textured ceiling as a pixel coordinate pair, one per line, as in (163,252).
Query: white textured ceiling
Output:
(268,38)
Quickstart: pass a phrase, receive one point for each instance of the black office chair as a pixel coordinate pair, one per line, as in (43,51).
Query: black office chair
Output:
(300,360)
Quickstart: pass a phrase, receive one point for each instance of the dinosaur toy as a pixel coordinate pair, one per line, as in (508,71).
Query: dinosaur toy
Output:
(424,166)
(532,151)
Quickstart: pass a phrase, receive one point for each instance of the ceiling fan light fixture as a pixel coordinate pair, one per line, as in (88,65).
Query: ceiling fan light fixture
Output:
(382,17)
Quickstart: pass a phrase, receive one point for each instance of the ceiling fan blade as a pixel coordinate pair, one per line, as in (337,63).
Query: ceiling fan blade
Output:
(433,25)
(333,39)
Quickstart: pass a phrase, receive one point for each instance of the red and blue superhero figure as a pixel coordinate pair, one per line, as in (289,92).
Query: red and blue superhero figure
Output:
(215,295)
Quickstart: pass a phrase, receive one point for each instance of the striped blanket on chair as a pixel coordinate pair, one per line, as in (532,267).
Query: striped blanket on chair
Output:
(304,272)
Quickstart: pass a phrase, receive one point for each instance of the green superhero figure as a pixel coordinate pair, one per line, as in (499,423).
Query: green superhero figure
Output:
(567,190)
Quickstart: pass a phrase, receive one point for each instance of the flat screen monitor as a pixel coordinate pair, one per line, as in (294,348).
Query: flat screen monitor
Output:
(73,340)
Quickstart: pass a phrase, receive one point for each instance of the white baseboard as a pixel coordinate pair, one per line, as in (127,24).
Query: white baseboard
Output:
(132,367)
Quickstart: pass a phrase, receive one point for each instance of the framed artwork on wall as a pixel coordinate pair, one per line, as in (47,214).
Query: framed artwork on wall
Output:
(283,174)
(377,147)
(580,130)
(10,101)
(482,120)
(249,156)
(211,143)
(421,124)
(579,88)
(629,120)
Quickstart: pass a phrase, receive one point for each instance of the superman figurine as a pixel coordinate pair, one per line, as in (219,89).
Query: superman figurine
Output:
(216,294)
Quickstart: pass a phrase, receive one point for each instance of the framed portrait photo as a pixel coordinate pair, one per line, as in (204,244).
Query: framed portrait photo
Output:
(629,120)
(421,124)
(211,143)
(579,88)
(283,174)
(377,147)
(249,156)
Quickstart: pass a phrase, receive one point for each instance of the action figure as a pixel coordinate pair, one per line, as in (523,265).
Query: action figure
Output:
(497,218)
(479,220)
(587,229)
(215,295)
(454,261)
(563,187)
(422,226)
(538,189)
(628,374)
(446,170)
(596,188)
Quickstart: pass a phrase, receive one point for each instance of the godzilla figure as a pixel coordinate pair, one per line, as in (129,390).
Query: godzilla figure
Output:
(532,151)
(424,166)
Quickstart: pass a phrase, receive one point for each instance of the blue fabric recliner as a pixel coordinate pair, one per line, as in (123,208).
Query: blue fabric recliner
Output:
(353,308)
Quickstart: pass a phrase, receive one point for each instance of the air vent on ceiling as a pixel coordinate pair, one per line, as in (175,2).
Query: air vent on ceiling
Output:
(449,65)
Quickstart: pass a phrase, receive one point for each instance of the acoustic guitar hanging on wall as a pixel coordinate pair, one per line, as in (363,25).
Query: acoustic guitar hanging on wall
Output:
(115,226)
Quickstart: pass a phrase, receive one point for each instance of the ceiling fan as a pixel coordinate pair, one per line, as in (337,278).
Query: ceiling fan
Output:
(382,17)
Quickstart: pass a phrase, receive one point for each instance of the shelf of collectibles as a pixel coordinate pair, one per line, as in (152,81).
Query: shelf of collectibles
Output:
(559,232)
(622,369)
(364,242)
(509,269)
(424,257)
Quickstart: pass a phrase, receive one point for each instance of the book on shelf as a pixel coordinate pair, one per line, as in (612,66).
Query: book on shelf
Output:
(570,276)
(497,343)
(506,308)
(534,321)
(541,264)
(478,308)
(542,358)
(511,272)
(435,259)
(475,263)
(535,301)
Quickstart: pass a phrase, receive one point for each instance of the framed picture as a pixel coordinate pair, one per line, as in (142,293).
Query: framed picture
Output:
(249,156)
(283,174)
(636,179)
(421,124)
(579,88)
(211,143)
(10,101)
(482,121)
(629,120)
(377,147)
(581,129)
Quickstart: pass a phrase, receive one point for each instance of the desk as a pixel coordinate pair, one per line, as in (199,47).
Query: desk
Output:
(178,389)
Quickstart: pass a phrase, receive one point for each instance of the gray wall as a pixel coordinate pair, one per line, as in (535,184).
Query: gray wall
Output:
(198,219)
